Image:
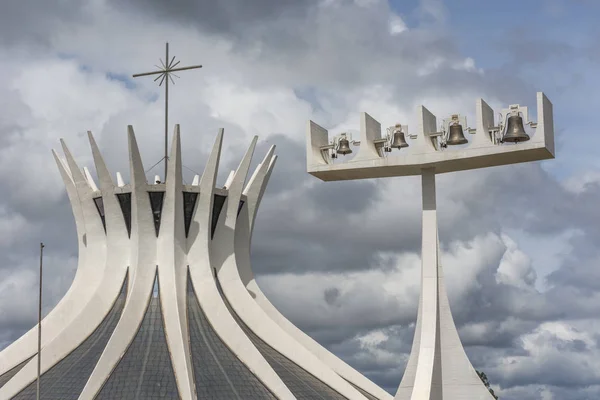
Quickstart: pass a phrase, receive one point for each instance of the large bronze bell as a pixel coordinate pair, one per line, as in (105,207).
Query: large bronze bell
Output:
(515,131)
(398,139)
(344,147)
(456,135)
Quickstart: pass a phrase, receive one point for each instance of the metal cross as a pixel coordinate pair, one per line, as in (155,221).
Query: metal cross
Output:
(164,74)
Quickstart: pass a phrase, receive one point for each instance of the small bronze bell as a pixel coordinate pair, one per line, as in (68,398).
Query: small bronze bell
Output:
(456,135)
(398,139)
(515,131)
(344,147)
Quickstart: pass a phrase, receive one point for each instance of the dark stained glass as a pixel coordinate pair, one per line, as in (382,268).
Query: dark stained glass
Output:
(189,203)
(218,202)
(12,372)
(100,206)
(125,203)
(218,373)
(66,379)
(301,383)
(145,371)
(156,202)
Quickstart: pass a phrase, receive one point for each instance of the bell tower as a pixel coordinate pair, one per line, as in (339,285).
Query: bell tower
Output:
(438,367)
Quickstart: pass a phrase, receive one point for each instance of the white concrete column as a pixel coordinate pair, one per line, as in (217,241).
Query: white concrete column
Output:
(438,367)
(72,302)
(200,249)
(172,273)
(224,259)
(428,361)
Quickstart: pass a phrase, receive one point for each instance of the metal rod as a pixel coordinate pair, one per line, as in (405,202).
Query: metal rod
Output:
(166,118)
(161,71)
(185,68)
(148,73)
(39,351)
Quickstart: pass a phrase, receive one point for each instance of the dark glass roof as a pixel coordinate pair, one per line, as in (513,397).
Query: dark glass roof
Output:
(66,379)
(218,373)
(301,383)
(145,371)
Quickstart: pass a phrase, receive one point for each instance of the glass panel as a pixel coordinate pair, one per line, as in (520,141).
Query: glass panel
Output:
(301,383)
(240,206)
(145,372)
(218,202)
(12,372)
(156,202)
(100,206)
(189,203)
(218,373)
(125,203)
(66,379)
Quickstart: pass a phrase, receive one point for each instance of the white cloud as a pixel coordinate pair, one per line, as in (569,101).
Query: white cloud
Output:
(397,25)
(515,267)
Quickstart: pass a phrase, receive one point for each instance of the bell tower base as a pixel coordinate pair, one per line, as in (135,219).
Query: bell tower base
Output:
(438,367)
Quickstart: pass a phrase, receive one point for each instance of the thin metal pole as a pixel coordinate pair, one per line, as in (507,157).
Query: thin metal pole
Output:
(39,352)
(166,116)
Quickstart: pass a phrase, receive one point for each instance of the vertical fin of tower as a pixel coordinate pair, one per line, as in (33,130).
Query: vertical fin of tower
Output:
(202,277)
(459,377)
(142,256)
(242,305)
(438,367)
(246,216)
(116,231)
(426,367)
(172,272)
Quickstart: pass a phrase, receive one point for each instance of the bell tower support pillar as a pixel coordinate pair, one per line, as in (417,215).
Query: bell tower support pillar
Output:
(438,367)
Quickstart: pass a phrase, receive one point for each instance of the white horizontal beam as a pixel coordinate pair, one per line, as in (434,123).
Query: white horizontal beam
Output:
(422,153)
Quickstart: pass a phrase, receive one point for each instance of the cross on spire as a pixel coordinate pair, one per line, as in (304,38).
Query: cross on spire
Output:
(165,73)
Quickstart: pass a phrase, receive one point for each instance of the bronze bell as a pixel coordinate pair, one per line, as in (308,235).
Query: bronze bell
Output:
(344,147)
(398,139)
(515,131)
(456,135)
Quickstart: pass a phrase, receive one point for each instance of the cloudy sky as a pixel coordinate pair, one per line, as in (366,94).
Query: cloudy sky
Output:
(519,243)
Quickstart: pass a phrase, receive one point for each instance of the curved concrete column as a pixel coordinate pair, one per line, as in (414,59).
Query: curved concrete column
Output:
(200,249)
(102,279)
(74,299)
(172,273)
(224,260)
(142,258)
(243,237)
